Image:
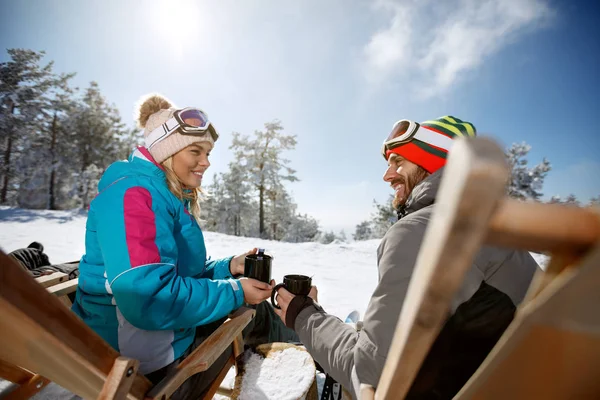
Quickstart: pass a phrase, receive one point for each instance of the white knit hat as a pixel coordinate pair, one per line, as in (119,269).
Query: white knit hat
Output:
(173,143)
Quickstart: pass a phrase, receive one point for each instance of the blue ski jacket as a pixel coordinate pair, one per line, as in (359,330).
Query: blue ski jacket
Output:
(145,282)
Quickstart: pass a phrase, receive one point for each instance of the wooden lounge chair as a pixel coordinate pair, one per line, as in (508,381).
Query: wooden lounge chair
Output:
(551,350)
(41,340)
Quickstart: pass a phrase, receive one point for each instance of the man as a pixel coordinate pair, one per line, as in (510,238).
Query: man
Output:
(481,311)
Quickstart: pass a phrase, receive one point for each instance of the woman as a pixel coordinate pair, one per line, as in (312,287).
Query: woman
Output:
(145,284)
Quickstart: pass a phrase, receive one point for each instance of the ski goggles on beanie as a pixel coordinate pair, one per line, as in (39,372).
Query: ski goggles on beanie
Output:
(187,121)
(426,144)
(405,131)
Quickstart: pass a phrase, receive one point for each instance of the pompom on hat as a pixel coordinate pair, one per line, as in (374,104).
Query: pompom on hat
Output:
(427,155)
(154,110)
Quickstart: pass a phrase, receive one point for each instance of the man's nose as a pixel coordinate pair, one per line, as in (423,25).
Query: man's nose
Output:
(389,174)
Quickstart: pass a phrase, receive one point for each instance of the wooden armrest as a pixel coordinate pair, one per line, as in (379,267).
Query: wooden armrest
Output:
(14,373)
(52,279)
(204,355)
(64,288)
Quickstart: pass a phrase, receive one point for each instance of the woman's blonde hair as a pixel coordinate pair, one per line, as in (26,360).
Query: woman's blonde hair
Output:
(194,195)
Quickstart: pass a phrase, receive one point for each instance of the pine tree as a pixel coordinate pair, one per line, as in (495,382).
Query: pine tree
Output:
(363,231)
(98,128)
(210,207)
(327,237)
(383,218)
(237,201)
(262,158)
(26,99)
(302,228)
(525,183)
(570,200)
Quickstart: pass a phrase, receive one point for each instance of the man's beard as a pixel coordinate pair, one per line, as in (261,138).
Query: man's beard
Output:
(410,183)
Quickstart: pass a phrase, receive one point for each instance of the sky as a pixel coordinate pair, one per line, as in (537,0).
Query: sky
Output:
(338,74)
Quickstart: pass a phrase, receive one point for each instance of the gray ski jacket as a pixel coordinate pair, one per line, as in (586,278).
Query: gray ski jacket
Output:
(485,304)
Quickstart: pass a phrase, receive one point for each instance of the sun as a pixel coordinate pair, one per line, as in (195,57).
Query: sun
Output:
(176,22)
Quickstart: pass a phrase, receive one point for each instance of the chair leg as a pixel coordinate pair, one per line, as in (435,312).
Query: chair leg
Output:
(217,382)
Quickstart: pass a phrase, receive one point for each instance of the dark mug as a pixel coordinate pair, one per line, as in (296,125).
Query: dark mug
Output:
(258,266)
(295,284)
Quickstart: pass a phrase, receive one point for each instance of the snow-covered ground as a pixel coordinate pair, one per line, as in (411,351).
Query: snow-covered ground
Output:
(345,273)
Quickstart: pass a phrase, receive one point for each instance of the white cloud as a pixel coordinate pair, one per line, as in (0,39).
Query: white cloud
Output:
(437,44)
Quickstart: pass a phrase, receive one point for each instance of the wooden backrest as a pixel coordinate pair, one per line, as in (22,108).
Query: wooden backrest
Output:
(470,211)
(40,334)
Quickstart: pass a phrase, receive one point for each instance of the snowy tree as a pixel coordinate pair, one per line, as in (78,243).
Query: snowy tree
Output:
(525,182)
(128,140)
(261,157)
(383,218)
(569,200)
(96,138)
(302,228)
(212,215)
(86,184)
(363,231)
(327,237)
(279,212)
(237,202)
(26,93)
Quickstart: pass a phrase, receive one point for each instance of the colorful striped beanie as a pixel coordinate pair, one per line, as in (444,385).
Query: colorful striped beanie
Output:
(428,156)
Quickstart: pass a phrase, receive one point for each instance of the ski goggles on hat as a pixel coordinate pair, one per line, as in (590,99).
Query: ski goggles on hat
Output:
(188,121)
(404,131)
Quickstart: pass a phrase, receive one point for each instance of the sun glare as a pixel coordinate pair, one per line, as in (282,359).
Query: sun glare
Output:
(175,21)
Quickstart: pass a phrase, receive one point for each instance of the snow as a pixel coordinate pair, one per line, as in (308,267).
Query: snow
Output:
(284,375)
(345,273)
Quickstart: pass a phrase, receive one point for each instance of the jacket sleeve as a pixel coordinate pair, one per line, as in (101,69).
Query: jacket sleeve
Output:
(140,256)
(217,269)
(352,357)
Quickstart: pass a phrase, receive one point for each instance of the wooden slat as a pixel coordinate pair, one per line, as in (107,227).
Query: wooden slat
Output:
(64,288)
(120,379)
(204,355)
(214,386)
(474,179)
(25,343)
(73,339)
(52,279)
(543,227)
(27,389)
(14,373)
(552,348)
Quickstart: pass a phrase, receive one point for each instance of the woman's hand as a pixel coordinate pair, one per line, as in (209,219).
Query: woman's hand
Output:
(255,291)
(236,265)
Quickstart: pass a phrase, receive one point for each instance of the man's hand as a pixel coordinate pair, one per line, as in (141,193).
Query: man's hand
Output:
(314,292)
(236,265)
(255,291)
(284,298)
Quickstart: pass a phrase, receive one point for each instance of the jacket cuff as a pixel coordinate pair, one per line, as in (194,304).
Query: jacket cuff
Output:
(298,304)
(238,292)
